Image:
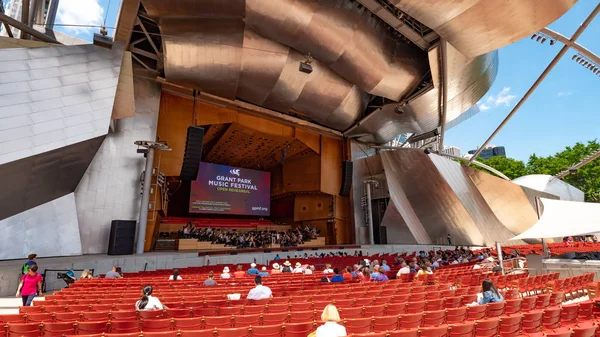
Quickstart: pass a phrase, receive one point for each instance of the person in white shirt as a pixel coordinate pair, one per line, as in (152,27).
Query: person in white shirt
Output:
(331,328)
(328,270)
(298,268)
(404,270)
(309,270)
(259,292)
(225,274)
(148,302)
(175,276)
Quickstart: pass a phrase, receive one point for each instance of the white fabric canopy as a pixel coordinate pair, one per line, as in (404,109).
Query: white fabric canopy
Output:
(564,218)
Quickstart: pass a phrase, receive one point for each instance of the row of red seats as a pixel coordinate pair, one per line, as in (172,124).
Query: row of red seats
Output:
(530,322)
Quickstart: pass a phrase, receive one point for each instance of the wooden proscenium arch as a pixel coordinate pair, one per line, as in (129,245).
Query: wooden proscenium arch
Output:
(305,185)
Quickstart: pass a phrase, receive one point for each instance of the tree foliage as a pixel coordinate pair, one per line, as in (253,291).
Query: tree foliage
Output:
(586,179)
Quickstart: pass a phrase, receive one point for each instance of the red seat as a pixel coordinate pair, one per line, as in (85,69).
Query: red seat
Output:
(66,317)
(495,309)
(78,307)
(409,321)
(27,310)
(38,317)
(95,316)
(12,318)
(194,323)
(532,321)
(512,306)
(232,332)
(510,326)
(374,310)
(101,307)
(584,332)
(302,316)
(453,302)
(528,303)
(160,334)
(57,329)
(272,308)
(198,333)
(415,307)
(262,331)
(432,305)
(23,330)
(383,323)
(551,318)
(434,318)
(357,325)
(275,318)
(151,314)
(436,331)
(230,311)
(156,325)
(466,329)
(487,328)
(253,309)
(456,315)
(54,308)
(88,328)
(395,308)
(586,310)
(476,312)
(245,320)
(129,334)
(123,315)
(370,334)
(210,322)
(201,311)
(178,313)
(124,326)
(298,329)
(404,333)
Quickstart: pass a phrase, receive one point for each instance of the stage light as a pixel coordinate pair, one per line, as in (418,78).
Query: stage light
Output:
(538,38)
(533,36)
(574,56)
(427,151)
(552,42)
(543,40)
(585,63)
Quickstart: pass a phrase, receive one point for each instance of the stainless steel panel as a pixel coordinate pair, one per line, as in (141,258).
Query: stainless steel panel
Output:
(396,228)
(476,27)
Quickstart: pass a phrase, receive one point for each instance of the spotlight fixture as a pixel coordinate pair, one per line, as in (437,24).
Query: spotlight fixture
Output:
(533,36)
(574,56)
(306,66)
(539,38)
(552,42)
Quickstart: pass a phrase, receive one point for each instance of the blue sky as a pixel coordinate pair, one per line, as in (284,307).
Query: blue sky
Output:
(563,110)
(87,12)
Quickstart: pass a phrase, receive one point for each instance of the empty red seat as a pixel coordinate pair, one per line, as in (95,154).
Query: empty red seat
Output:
(57,329)
(124,326)
(23,329)
(39,317)
(246,320)
(435,331)
(298,329)
(89,328)
(194,323)
(156,324)
(262,331)
(210,322)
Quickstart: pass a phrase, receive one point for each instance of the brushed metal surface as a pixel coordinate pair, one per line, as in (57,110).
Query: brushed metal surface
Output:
(38,179)
(476,27)
(396,229)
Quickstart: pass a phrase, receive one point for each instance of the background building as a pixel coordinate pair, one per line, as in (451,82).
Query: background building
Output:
(42,14)
(452,150)
(491,151)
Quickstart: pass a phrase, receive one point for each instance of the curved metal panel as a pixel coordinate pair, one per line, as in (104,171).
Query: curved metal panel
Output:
(204,54)
(476,27)
(343,39)
(202,8)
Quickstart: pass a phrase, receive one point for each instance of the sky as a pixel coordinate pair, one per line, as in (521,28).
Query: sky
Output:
(86,12)
(563,110)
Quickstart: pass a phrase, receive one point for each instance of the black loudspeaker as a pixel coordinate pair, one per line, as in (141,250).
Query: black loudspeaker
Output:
(122,237)
(193,153)
(346,178)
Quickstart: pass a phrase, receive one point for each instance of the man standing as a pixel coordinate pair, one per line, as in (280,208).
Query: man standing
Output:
(259,292)
(449,240)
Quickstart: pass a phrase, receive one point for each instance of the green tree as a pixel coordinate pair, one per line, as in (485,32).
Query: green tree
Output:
(512,168)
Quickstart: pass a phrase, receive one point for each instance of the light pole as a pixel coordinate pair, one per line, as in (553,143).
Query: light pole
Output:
(146,147)
(370,209)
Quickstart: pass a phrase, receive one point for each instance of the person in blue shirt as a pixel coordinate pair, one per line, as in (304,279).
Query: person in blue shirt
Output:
(253,270)
(337,277)
(277,258)
(384,266)
(490,293)
(263,272)
(375,272)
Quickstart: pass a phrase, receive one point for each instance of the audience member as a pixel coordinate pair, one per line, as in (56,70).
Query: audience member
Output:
(309,269)
(86,273)
(337,277)
(490,293)
(175,276)
(30,262)
(330,328)
(298,268)
(405,269)
(210,281)
(225,274)
(384,266)
(263,272)
(239,273)
(259,292)
(347,274)
(412,266)
(277,258)
(365,276)
(276,269)
(253,270)
(148,302)
(113,273)
(327,269)
(287,267)
(375,272)
(381,277)
(30,285)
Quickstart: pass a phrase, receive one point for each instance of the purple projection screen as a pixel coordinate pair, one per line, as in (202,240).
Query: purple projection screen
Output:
(221,189)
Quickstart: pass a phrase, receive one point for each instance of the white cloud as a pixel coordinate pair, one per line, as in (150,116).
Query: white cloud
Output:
(564,93)
(80,12)
(493,101)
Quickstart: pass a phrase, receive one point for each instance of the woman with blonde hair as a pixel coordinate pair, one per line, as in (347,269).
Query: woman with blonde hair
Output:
(331,328)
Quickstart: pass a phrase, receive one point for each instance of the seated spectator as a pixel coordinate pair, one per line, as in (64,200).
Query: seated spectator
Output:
(331,328)
(384,266)
(209,282)
(276,269)
(298,268)
(337,277)
(355,271)
(86,273)
(253,270)
(375,272)
(497,268)
(309,269)
(287,267)
(412,266)
(113,273)
(263,272)
(381,277)
(175,276)
(259,292)
(327,269)
(404,270)
(365,276)
(424,271)
(225,274)
(148,302)
(239,273)
(490,293)
(347,274)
